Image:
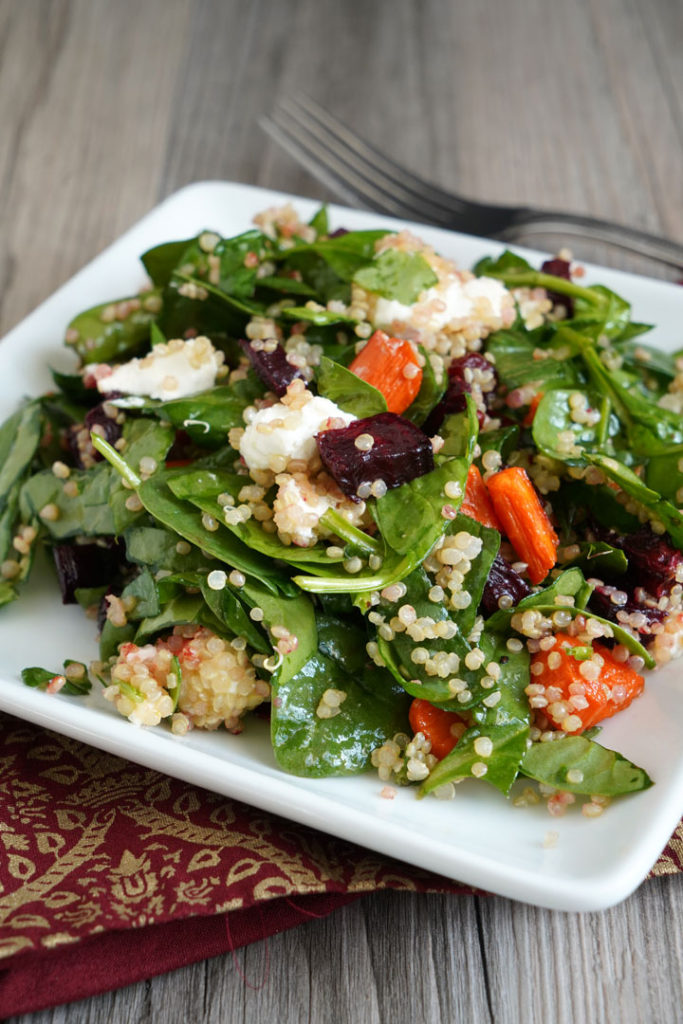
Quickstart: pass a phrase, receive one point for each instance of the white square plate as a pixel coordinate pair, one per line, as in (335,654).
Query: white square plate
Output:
(479,838)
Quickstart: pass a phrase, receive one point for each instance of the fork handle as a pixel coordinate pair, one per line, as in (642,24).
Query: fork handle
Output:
(642,242)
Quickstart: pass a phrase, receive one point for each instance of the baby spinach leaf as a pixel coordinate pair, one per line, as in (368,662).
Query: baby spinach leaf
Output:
(554,416)
(570,583)
(182,610)
(342,641)
(605,772)
(506,725)
(664,473)
(228,609)
(633,485)
(19,438)
(305,744)
(460,432)
(597,557)
(177,515)
(208,416)
(397,275)
(158,548)
(286,286)
(431,391)
(410,517)
(202,488)
(102,337)
(320,221)
(319,317)
(296,614)
(517,363)
(144,590)
(344,254)
(349,391)
(161,260)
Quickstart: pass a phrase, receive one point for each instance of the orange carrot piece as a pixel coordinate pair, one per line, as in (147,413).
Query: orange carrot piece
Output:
(581,702)
(436,725)
(477,504)
(524,520)
(390,365)
(533,406)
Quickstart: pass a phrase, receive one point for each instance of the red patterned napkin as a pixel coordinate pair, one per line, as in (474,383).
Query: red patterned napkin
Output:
(92,846)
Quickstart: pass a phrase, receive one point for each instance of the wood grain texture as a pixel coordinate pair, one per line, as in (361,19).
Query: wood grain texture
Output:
(107,107)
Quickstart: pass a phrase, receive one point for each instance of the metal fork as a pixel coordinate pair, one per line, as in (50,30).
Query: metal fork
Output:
(363,175)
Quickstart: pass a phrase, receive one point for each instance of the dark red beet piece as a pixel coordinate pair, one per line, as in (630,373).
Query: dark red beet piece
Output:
(559,268)
(272,367)
(458,387)
(339,233)
(502,580)
(601,603)
(79,435)
(652,560)
(84,565)
(401,452)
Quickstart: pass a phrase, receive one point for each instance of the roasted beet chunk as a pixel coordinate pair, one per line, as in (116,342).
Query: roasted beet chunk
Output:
(104,416)
(269,359)
(470,374)
(384,448)
(85,565)
(559,268)
(638,611)
(503,582)
(652,560)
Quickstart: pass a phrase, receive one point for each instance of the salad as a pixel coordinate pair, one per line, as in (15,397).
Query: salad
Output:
(424,519)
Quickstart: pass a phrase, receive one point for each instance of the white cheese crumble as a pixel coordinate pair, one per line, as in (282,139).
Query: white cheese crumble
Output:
(292,431)
(440,305)
(173,370)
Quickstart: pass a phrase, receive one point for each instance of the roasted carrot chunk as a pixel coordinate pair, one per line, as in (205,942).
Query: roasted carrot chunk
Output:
(477,504)
(390,365)
(582,687)
(533,406)
(524,521)
(442,728)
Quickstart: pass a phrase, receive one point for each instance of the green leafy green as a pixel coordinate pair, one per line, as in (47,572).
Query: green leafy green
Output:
(601,771)
(349,391)
(394,274)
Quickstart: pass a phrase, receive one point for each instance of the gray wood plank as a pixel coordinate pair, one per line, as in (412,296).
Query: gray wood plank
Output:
(106,107)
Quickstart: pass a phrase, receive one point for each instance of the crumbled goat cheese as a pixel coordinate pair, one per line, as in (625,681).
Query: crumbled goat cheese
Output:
(455,301)
(293,437)
(172,370)
(300,503)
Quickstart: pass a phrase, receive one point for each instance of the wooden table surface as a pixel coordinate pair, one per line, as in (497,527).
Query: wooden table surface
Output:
(105,108)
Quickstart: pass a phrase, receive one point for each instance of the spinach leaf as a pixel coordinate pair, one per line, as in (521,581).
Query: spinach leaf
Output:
(605,772)
(19,438)
(158,548)
(228,609)
(349,391)
(517,363)
(554,416)
(430,394)
(597,557)
(208,416)
(506,725)
(320,221)
(344,254)
(202,488)
(296,614)
(305,744)
(633,485)
(103,335)
(319,317)
(161,260)
(394,274)
(664,473)
(410,517)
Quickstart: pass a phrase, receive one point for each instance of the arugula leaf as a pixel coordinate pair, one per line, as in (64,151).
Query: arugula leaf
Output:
(394,274)
(40,678)
(349,391)
(605,772)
